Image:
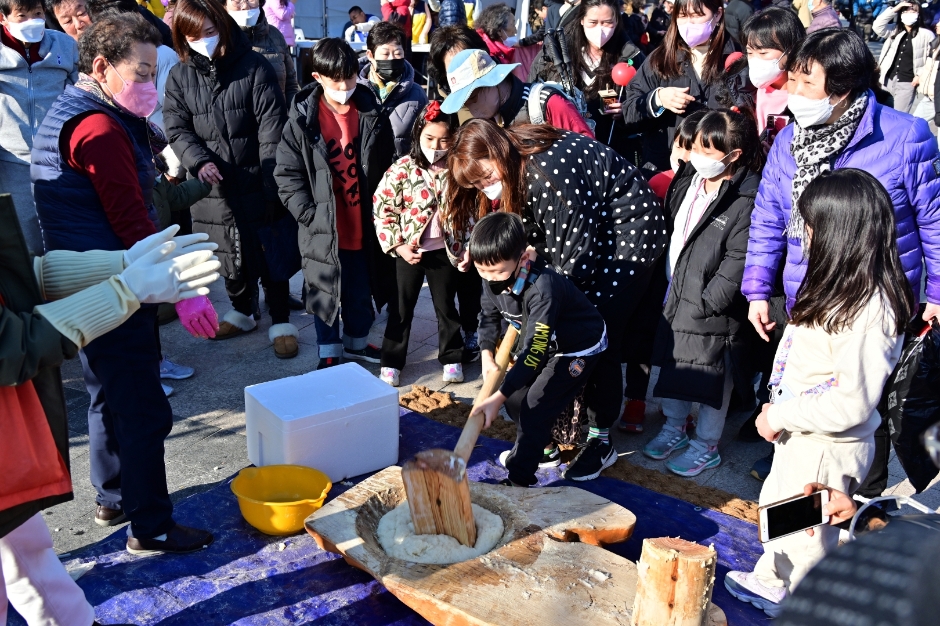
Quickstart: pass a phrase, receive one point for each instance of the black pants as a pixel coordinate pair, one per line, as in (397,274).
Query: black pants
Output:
(442,282)
(128,420)
(603,393)
(877,479)
(242,290)
(640,333)
(469,284)
(536,407)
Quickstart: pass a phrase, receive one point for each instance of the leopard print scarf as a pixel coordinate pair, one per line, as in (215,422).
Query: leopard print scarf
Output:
(813,148)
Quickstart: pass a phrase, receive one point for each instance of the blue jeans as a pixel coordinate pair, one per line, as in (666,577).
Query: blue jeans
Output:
(356,310)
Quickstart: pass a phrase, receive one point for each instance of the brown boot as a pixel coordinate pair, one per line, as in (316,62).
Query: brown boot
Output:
(284,338)
(234,324)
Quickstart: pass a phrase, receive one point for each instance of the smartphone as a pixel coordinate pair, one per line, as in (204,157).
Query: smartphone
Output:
(775,123)
(792,515)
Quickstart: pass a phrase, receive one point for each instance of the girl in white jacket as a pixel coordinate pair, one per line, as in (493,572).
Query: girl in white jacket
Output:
(843,341)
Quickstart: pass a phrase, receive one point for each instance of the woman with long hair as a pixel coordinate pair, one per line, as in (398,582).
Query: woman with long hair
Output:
(904,53)
(588,212)
(844,339)
(224,113)
(681,76)
(598,42)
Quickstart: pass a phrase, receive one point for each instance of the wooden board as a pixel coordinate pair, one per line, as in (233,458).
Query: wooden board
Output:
(548,568)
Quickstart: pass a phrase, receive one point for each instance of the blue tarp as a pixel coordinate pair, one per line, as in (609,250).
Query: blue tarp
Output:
(246,577)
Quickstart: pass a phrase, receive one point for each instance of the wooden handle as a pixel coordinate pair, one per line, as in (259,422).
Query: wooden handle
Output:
(471,430)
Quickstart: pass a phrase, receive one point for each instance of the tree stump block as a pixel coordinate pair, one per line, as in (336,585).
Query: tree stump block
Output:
(548,567)
(675,584)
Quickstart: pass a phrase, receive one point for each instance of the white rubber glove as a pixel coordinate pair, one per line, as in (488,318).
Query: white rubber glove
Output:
(184,244)
(158,276)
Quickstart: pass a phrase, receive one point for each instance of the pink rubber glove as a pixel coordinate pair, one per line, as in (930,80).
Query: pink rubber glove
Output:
(198,316)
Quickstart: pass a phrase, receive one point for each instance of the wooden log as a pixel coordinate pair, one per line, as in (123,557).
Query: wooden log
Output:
(675,580)
(436,481)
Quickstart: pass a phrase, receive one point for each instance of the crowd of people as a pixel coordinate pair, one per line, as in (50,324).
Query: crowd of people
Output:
(756,214)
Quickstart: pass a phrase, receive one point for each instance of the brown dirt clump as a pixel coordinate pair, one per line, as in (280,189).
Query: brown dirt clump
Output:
(442,407)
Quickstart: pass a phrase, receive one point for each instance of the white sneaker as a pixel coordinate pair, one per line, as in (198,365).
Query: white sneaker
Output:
(167,390)
(745,587)
(453,373)
(390,375)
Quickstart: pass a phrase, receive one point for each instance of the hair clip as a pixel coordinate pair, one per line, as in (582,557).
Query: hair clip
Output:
(433,111)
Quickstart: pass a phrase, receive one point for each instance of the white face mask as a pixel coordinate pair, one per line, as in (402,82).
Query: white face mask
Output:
(909,18)
(494,191)
(433,156)
(246,19)
(206,47)
(674,164)
(809,112)
(598,35)
(511,41)
(339,95)
(30,31)
(762,72)
(707,167)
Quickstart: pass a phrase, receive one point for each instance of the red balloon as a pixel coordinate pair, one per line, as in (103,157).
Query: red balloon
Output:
(622,74)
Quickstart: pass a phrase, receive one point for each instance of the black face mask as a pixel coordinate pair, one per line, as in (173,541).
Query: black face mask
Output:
(499,286)
(389,69)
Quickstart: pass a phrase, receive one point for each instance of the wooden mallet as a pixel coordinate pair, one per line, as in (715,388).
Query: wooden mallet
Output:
(436,483)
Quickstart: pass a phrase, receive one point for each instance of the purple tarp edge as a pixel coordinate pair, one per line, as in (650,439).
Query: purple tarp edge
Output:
(248,578)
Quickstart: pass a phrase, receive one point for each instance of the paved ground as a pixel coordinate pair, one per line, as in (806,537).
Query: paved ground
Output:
(208,440)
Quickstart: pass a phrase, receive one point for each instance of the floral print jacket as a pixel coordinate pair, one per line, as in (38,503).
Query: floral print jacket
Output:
(404,203)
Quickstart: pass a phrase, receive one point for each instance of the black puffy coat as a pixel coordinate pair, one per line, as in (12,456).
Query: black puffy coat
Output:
(592,215)
(736,13)
(305,183)
(230,112)
(705,312)
(270,43)
(658,132)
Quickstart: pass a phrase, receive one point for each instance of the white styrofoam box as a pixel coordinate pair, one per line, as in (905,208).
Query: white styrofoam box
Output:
(340,420)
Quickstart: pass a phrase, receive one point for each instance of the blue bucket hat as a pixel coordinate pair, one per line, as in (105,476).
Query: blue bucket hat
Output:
(468,70)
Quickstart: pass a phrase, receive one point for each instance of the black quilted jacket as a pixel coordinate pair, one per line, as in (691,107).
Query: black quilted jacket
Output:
(230,112)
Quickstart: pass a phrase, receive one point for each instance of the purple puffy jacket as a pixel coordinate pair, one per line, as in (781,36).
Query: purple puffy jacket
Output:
(895,148)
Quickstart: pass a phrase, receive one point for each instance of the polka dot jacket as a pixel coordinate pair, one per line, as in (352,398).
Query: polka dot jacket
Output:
(592,214)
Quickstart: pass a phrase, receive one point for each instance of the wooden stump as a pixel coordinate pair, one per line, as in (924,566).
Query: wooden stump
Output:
(439,495)
(675,583)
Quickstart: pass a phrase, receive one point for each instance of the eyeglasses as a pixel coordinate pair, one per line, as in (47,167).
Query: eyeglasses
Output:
(244,5)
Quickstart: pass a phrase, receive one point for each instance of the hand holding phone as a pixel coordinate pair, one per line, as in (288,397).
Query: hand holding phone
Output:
(793,515)
(841,506)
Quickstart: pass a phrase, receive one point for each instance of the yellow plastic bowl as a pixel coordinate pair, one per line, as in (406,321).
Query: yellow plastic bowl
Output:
(278,498)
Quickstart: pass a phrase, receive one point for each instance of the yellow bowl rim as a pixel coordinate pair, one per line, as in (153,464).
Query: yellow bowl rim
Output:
(323,494)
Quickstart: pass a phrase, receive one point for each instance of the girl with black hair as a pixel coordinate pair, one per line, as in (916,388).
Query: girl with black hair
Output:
(905,51)
(598,34)
(843,341)
(767,37)
(680,76)
(702,342)
(409,227)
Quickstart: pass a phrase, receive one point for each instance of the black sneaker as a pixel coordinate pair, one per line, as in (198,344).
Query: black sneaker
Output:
(761,468)
(328,361)
(370,353)
(471,347)
(593,459)
(550,459)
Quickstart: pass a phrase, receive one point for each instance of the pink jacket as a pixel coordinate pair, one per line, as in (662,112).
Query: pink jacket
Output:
(281,17)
